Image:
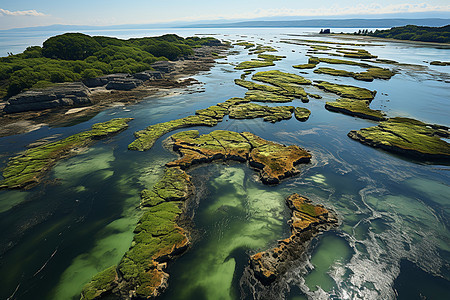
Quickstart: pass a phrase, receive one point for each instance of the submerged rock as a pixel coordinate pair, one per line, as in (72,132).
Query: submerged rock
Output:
(407,137)
(307,221)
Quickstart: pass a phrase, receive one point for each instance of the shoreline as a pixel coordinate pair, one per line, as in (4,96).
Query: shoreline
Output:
(102,99)
(375,39)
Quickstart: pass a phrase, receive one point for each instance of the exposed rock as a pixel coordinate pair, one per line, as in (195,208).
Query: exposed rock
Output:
(159,237)
(163,66)
(275,161)
(124,84)
(253,110)
(408,137)
(64,94)
(356,108)
(302,114)
(347,91)
(307,221)
(148,75)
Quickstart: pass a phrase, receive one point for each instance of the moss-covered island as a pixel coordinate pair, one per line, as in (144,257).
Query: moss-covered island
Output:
(302,114)
(237,108)
(369,75)
(356,108)
(347,91)
(264,60)
(29,168)
(307,221)
(407,137)
(268,113)
(159,236)
(281,83)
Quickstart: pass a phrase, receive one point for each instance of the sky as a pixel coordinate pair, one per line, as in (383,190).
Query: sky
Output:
(27,13)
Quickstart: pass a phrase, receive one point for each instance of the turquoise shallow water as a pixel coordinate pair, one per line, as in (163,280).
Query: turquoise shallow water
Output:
(394,212)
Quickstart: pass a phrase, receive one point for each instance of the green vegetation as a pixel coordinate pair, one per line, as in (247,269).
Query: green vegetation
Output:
(342,62)
(253,110)
(262,49)
(290,83)
(357,108)
(147,137)
(346,91)
(254,64)
(263,96)
(368,75)
(275,161)
(29,168)
(440,63)
(265,60)
(246,45)
(100,284)
(412,33)
(312,63)
(256,86)
(356,53)
(407,137)
(74,56)
(302,114)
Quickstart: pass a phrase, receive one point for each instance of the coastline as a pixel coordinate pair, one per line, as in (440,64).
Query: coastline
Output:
(102,99)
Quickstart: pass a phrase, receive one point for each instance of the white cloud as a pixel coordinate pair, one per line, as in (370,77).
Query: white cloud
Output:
(28,13)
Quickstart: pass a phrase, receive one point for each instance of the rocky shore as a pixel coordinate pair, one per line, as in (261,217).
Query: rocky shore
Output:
(159,235)
(307,221)
(55,105)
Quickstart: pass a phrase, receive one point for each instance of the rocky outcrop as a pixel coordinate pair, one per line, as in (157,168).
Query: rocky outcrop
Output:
(124,84)
(307,221)
(29,168)
(163,66)
(160,236)
(408,137)
(73,94)
(274,161)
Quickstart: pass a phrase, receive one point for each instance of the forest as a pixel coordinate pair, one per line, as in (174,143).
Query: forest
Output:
(77,56)
(412,33)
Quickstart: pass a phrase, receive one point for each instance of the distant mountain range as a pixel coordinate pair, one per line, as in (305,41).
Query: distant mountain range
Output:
(330,23)
(319,23)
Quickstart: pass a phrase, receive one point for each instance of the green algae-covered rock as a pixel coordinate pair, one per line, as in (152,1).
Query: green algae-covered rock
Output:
(100,285)
(302,114)
(357,108)
(29,168)
(253,110)
(263,96)
(368,75)
(174,186)
(215,112)
(254,64)
(347,91)
(262,87)
(146,138)
(407,137)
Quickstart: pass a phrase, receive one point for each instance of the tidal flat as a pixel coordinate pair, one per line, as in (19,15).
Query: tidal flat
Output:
(392,210)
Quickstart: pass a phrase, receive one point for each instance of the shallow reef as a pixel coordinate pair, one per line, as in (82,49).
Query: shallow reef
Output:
(347,91)
(356,108)
(369,75)
(159,237)
(264,60)
(302,114)
(268,113)
(307,221)
(407,137)
(147,137)
(28,169)
(264,96)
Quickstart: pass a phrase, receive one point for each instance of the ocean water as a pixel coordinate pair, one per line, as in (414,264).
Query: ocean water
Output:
(393,241)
